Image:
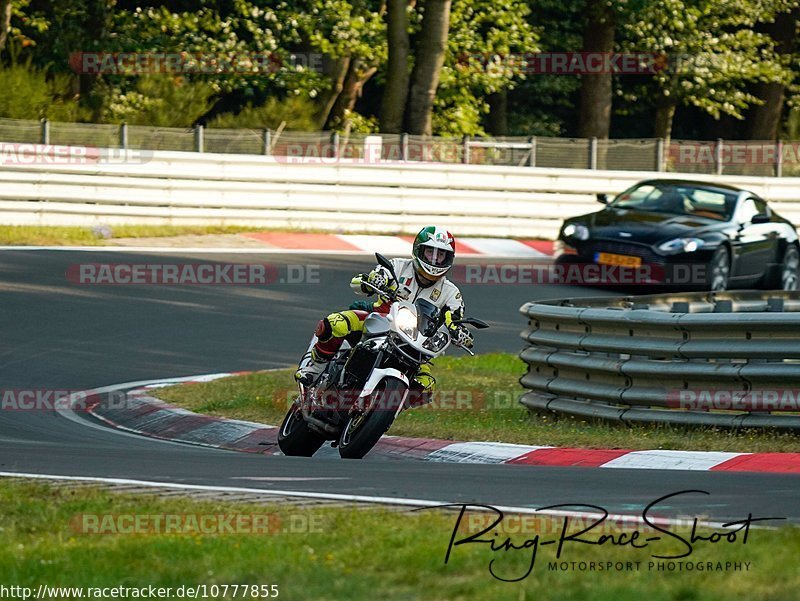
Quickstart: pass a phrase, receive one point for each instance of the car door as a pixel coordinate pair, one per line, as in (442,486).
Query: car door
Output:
(754,243)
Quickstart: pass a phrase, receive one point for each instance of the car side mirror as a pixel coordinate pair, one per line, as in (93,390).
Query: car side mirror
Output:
(760,218)
(602,199)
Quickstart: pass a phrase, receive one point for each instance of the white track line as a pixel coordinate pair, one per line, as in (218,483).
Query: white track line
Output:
(632,519)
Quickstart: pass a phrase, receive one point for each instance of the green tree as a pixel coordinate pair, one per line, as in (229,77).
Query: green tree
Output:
(487,45)
(713,53)
(764,119)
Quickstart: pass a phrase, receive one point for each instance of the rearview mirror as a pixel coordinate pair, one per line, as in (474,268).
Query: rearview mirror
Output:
(386,263)
(478,323)
(760,218)
(602,198)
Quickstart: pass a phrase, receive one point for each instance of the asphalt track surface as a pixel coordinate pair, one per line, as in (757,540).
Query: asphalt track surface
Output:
(58,335)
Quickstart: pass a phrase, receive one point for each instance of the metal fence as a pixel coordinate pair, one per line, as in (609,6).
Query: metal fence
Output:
(715,359)
(721,157)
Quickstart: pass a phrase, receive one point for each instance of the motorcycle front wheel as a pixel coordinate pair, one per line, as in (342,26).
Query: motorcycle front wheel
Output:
(363,430)
(295,437)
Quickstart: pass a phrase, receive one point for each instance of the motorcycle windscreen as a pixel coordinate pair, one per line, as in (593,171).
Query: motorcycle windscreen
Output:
(428,317)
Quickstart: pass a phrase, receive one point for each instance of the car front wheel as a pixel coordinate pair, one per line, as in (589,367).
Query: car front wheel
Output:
(719,270)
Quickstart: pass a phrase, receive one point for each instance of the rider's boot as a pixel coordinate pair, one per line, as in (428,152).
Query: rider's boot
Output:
(310,368)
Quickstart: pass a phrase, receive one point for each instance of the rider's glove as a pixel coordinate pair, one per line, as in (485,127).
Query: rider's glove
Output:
(382,279)
(462,336)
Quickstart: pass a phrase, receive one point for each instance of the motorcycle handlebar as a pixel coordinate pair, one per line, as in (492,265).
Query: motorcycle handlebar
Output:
(384,293)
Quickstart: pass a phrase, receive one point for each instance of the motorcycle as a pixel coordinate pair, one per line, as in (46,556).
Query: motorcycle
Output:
(365,386)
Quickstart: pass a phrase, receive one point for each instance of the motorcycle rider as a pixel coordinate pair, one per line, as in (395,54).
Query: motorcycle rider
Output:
(422,276)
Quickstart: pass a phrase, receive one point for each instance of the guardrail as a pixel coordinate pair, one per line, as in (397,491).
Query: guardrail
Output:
(710,359)
(112,186)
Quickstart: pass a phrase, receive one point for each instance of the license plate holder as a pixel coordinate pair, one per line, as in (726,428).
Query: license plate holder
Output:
(617,260)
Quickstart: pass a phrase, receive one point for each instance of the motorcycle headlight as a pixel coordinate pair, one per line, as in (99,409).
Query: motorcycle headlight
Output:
(680,245)
(436,342)
(406,322)
(577,231)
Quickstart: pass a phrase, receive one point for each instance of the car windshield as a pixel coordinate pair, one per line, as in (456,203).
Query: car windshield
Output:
(678,199)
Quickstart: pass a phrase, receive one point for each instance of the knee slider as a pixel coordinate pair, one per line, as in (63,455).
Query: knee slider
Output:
(338,325)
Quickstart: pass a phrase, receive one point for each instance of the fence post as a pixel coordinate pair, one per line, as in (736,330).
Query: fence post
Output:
(465,154)
(335,145)
(45,132)
(779,158)
(660,154)
(267,140)
(718,157)
(404,147)
(123,136)
(198,138)
(592,153)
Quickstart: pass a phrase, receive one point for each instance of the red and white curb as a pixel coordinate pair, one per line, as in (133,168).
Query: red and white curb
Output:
(400,245)
(330,244)
(144,414)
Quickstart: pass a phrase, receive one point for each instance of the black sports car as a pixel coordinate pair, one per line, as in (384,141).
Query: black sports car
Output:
(683,233)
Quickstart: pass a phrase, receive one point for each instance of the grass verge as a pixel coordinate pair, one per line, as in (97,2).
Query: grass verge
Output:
(34,235)
(343,553)
(477,400)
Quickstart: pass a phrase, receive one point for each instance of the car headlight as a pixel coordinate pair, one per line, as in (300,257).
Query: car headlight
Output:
(577,231)
(406,322)
(680,245)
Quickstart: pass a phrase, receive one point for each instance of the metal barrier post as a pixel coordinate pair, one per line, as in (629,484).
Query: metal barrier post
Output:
(660,154)
(198,138)
(532,156)
(267,140)
(404,147)
(465,154)
(123,136)
(45,132)
(335,145)
(592,153)
(779,158)
(718,157)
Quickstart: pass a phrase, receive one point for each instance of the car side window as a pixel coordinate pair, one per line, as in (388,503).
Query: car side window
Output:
(749,209)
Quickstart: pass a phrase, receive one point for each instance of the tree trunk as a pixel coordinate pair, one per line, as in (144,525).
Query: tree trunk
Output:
(765,119)
(337,71)
(5,22)
(396,91)
(429,58)
(497,122)
(665,112)
(97,25)
(596,92)
(357,75)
